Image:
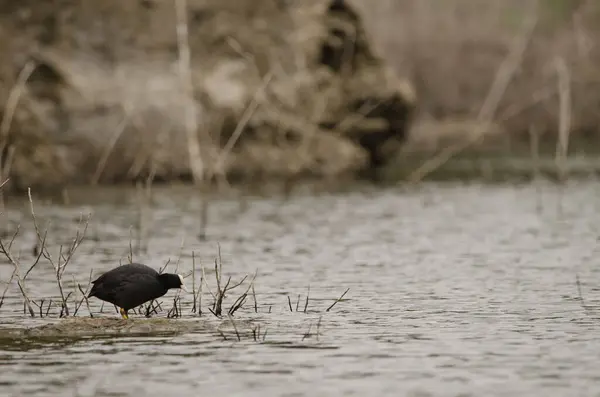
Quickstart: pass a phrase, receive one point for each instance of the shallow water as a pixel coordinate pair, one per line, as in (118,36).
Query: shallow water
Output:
(454,290)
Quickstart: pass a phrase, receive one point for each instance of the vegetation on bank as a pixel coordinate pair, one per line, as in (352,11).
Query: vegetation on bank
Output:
(328,88)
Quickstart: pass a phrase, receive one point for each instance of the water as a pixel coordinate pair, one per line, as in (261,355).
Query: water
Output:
(455,290)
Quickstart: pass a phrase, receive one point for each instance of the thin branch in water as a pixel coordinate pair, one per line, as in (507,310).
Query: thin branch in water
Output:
(234,327)
(16,272)
(39,255)
(179,255)
(319,326)
(290,303)
(254,296)
(585,307)
(307,334)
(242,298)
(84,296)
(194,282)
(40,306)
(174,311)
(255,331)
(48,308)
(337,300)
(307,297)
(8,283)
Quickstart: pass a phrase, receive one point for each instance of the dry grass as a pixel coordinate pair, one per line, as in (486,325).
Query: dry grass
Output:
(451,49)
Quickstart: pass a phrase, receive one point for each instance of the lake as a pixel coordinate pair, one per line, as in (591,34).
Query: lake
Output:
(455,289)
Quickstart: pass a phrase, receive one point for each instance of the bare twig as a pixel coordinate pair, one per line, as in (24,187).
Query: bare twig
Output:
(337,300)
(174,311)
(63,258)
(84,296)
(16,272)
(4,183)
(39,255)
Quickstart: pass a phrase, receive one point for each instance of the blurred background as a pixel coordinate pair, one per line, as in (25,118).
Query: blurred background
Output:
(247,90)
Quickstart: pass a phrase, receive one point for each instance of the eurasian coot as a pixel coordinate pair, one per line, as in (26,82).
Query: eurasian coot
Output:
(131,285)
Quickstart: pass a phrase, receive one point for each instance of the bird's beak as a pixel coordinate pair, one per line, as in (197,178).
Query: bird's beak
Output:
(183,288)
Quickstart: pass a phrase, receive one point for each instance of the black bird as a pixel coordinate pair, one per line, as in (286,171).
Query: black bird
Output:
(131,285)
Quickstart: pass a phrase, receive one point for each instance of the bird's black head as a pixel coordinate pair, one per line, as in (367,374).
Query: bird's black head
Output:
(170,280)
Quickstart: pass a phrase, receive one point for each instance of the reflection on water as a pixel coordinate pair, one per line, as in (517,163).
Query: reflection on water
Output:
(454,290)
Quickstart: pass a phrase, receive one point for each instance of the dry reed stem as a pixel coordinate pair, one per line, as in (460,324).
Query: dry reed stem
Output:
(13,101)
(234,327)
(243,122)
(503,77)
(9,111)
(144,197)
(319,326)
(108,150)
(307,297)
(255,302)
(564,121)
(203,277)
(239,302)
(221,291)
(337,300)
(5,167)
(194,282)
(307,334)
(185,74)
(4,183)
(580,294)
(534,145)
(205,203)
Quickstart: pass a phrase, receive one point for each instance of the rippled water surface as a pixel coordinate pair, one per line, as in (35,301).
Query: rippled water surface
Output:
(454,290)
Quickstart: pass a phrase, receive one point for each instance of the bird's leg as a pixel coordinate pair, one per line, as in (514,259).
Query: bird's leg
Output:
(123,313)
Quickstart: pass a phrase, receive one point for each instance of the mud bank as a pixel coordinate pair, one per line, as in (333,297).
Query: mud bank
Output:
(81,327)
